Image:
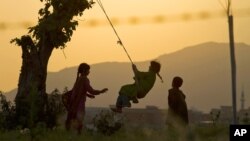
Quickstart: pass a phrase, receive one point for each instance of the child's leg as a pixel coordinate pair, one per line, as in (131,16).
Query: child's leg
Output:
(80,118)
(133,92)
(70,118)
(79,127)
(129,90)
(68,122)
(123,101)
(134,100)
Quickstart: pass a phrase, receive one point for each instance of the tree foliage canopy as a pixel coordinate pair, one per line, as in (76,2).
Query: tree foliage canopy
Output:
(56,23)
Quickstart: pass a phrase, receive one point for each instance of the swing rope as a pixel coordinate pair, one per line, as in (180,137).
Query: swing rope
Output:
(119,39)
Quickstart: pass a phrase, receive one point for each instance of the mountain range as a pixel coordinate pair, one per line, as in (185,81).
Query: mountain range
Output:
(205,69)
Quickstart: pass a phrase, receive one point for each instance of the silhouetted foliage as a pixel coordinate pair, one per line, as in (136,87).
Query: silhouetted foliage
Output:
(215,117)
(107,122)
(54,108)
(7,114)
(245,119)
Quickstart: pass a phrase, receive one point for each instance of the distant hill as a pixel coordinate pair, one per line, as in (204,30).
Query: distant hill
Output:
(205,69)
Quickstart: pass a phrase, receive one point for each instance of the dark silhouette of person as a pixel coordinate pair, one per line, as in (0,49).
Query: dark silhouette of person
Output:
(178,112)
(80,91)
(176,101)
(144,82)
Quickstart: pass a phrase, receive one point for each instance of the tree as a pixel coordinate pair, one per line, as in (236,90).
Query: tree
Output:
(54,29)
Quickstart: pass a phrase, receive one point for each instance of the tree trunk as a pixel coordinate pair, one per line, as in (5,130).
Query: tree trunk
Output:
(31,96)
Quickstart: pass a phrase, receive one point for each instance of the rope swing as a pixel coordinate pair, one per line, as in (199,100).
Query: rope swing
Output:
(119,39)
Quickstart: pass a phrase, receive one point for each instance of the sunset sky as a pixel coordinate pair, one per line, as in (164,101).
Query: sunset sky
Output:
(144,41)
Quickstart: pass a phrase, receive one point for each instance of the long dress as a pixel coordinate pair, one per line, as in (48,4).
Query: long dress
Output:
(80,90)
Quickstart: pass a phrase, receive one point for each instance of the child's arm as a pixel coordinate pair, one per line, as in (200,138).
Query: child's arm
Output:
(136,75)
(134,68)
(90,96)
(92,91)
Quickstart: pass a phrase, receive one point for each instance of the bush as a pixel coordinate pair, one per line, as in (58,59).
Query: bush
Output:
(54,108)
(107,122)
(7,114)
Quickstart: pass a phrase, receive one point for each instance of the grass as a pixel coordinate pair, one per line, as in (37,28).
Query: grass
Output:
(196,133)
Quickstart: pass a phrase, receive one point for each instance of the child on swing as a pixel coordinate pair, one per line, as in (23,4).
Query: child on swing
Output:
(144,81)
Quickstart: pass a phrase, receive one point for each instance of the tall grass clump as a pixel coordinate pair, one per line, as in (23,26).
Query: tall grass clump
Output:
(220,132)
(7,114)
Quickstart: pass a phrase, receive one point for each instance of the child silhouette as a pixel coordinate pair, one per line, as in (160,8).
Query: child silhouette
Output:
(144,81)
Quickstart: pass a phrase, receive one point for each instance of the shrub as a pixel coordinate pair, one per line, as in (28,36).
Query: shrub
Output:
(54,108)
(107,122)
(7,114)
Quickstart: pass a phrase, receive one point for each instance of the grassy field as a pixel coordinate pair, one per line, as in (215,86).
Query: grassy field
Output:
(196,133)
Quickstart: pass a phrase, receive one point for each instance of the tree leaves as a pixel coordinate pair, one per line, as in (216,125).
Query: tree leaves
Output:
(55,22)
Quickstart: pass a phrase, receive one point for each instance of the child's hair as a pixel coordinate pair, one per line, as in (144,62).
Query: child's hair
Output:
(156,67)
(83,67)
(177,82)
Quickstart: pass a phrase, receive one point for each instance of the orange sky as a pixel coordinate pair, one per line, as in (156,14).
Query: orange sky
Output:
(143,41)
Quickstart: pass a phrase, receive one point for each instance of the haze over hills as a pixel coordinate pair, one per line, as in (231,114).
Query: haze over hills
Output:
(205,69)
